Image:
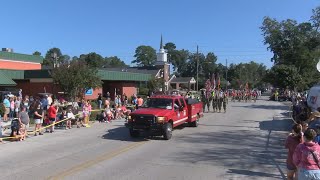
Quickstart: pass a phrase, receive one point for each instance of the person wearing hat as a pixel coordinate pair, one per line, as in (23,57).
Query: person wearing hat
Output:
(314,119)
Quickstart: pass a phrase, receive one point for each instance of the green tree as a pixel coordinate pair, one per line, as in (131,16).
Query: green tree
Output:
(49,59)
(179,60)
(295,44)
(171,50)
(145,56)
(74,58)
(284,76)
(37,53)
(252,72)
(92,59)
(114,61)
(155,84)
(75,77)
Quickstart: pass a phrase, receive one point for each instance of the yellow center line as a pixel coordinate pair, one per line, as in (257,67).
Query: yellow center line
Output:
(95,161)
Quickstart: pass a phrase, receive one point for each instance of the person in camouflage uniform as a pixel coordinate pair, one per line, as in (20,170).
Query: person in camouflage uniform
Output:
(219,100)
(214,102)
(225,102)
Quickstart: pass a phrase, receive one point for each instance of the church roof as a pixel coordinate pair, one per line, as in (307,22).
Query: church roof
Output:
(183,80)
(143,70)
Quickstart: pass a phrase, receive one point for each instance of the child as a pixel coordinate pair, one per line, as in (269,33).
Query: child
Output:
(118,112)
(22,132)
(109,114)
(46,122)
(71,117)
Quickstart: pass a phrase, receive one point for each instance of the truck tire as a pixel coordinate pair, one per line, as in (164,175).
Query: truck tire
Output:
(167,131)
(134,133)
(195,123)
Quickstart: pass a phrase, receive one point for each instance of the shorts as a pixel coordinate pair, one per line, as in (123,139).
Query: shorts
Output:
(7,110)
(38,121)
(52,119)
(308,174)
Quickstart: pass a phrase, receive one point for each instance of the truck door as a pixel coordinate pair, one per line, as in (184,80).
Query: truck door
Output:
(185,108)
(178,113)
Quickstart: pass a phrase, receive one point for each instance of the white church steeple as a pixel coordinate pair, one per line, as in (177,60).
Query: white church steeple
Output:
(161,55)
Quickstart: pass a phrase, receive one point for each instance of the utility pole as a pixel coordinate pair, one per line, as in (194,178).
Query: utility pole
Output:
(226,74)
(197,68)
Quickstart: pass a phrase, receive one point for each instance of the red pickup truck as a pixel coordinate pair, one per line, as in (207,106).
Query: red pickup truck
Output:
(160,114)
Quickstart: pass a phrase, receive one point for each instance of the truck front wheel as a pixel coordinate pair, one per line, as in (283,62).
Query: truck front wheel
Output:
(167,134)
(134,133)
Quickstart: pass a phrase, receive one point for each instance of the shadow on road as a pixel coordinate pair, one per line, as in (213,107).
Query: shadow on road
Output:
(254,106)
(121,134)
(245,152)
(251,173)
(276,125)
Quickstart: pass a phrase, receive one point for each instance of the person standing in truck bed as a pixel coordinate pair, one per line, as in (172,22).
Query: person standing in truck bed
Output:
(139,102)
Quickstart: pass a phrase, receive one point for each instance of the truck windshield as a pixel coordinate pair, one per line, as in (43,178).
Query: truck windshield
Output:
(158,103)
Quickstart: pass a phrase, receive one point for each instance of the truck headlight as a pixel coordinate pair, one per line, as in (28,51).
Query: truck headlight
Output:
(160,119)
(129,118)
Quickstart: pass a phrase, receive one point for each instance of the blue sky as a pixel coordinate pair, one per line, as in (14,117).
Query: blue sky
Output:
(229,28)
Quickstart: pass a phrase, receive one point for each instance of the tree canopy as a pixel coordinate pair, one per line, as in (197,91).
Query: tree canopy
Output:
(49,59)
(75,77)
(295,45)
(145,56)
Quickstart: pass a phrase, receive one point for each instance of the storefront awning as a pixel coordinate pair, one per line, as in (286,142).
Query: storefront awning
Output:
(5,80)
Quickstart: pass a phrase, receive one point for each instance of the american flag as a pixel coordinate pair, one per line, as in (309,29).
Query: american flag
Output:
(208,88)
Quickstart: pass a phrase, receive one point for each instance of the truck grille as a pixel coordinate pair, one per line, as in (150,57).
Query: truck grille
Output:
(144,119)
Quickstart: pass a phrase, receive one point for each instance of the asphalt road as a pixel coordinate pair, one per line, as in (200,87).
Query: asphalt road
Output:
(244,143)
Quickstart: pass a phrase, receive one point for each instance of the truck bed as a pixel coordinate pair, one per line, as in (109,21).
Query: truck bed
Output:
(194,109)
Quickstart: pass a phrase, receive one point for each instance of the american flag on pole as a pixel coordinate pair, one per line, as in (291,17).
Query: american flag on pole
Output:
(208,88)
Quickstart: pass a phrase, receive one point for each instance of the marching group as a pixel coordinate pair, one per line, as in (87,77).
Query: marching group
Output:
(218,99)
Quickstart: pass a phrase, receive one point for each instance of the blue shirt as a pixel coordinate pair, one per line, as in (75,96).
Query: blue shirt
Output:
(6,103)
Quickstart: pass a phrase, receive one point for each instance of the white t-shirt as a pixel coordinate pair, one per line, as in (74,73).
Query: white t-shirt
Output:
(70,115)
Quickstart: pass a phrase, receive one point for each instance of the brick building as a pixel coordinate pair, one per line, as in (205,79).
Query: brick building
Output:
(21,71)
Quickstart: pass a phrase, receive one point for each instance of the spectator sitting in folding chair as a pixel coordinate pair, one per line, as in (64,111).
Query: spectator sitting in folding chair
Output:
(102,117)
(72,119)
(109,114)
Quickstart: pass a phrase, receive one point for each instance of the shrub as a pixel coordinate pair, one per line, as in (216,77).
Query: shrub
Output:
(143,91)
(93,115)
(94,104)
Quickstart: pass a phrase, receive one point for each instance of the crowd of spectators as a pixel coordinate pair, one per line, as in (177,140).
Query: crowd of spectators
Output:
(303,142)
(48,112)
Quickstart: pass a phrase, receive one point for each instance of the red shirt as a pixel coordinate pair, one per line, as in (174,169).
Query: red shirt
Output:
(303,158)
(52,112)
(291,144)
